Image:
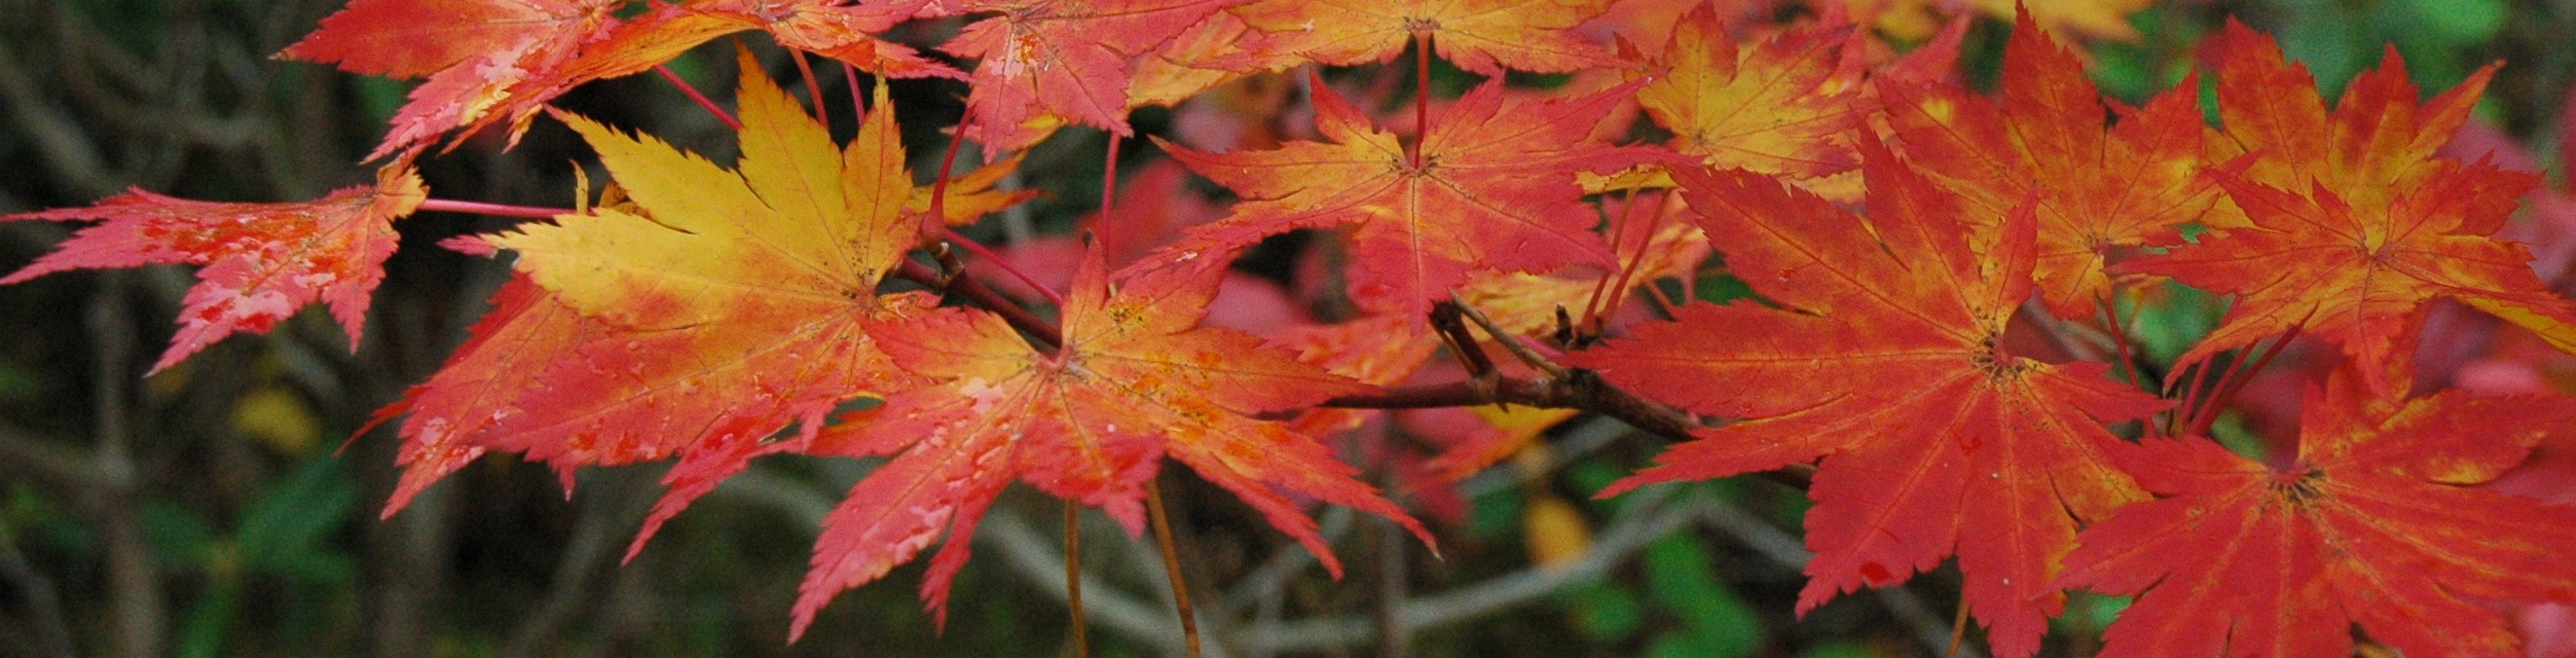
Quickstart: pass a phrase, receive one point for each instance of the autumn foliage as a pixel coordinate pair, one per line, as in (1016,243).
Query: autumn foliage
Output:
(1944,284)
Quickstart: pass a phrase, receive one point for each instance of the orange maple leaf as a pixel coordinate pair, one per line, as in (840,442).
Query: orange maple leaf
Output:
(1887,364)
(1483,36)
(263,261)
(2044,138)
(1136,379)
(2354,224)
(2372,523)
(1494,190)
(1787,105)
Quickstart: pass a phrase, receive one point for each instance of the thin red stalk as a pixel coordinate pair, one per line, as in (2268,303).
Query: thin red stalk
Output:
(1636,261)
(1073,574)
(2120,342)
(702,100)
(2192,374)
(2236,381)
(1421,97)
(1172,564)
(1107,231)
(987,253)
(494,209)
(1656,292)
(948,163)
(1618,235)
(2119,339)
(813,89)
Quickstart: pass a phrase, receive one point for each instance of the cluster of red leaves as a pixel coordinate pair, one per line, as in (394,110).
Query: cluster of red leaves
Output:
(1907,240)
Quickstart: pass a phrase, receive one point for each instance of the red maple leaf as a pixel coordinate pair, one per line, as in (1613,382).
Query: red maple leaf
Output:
(2373,522)
(2098,187)
(1888,365)
(1494,190)
(2354,224)
(1069,59)
(1136,379)
(451,415)
(263,261)
(1478,35)
(414,38)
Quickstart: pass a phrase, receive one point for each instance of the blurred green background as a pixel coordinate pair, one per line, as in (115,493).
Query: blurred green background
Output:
(214,510)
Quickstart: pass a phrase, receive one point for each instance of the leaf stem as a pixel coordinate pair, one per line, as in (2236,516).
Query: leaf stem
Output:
(493,209)
(2119,340)
(1172,564)
(2236,379)
(694,95)
(813,89)
(988,254)
(1421,97)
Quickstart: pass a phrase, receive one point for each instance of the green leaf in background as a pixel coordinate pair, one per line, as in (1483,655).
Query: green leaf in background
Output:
(1715,621)
(2461,22)
(1495,515)
(2173,318)
(285,531)
(1604,612)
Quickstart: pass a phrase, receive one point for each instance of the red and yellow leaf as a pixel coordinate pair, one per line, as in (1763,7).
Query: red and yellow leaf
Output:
(1483,36)
(263,261)
(1494,190)
(1787,105)
(2374,523)
(2352,223)
(730,303)
(1888,365)
(1068,59)
(1135,380)
(2098,188)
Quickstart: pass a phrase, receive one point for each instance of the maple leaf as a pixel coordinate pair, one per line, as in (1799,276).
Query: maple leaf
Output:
(1494,190)
(263,261)
(1478,35)
(1973,450)
(1214,51)
(731,305)
(2044,138)
(2354,224)
(1062,58)
(2372,523)
(1913,19)
(1136,379)
(1788,105)
(451,414)
(414,38)
(512,86)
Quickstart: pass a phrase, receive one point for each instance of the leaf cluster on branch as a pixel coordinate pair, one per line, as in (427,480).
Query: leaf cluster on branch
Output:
(1936,340)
